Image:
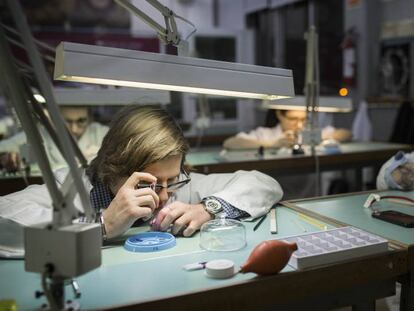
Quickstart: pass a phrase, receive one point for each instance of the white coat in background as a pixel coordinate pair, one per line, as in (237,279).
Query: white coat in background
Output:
(271,135)
(362,127)
(296,186)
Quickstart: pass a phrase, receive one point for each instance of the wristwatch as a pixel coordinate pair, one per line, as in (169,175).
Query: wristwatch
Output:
(212,206)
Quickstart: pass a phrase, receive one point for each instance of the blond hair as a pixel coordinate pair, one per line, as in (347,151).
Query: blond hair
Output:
(138,136)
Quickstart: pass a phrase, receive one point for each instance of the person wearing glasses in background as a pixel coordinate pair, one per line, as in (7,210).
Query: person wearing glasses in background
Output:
(88,135)
(139,174)
(281,130)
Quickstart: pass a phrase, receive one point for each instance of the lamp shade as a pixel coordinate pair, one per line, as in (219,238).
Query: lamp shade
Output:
(326,104)
(113,66)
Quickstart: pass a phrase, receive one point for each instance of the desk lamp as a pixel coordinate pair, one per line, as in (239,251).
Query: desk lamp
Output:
(62,250)
(312,103)
(312,132)
(113,66)
(325,104)
(102,65)
(59,250)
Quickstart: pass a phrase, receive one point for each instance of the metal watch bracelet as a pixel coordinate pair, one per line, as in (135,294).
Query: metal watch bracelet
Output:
(103,229)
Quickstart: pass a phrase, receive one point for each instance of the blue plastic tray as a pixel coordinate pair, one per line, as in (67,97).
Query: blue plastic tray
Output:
(150,242)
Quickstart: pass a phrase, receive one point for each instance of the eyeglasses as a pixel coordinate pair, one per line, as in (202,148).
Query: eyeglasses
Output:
(81,122)
(169,187)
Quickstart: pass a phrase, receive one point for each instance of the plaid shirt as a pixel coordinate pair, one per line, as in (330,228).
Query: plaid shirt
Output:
(230,211)
(101,197)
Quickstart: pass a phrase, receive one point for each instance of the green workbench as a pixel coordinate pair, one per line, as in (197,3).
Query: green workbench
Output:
(156,281)
(351,155)
(341,210)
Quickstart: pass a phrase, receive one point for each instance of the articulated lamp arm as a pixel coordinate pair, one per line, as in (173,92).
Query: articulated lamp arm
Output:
(63,211)
(60,249)
(169,34)
(312,71)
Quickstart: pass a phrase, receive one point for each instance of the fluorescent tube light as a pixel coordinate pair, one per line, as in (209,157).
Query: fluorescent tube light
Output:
(112,66)
(326,104)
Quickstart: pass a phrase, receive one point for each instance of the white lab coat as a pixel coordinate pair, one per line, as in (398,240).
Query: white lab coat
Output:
(295,186)
(89,144)
(272,134)
(253,192)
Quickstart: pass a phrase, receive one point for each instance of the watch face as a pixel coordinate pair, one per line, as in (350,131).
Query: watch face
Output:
(213,206)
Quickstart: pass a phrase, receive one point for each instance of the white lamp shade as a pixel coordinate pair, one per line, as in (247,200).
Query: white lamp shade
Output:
(113,66)
(326,104)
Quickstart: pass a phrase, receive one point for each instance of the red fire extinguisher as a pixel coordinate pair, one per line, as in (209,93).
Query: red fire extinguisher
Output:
(349,58)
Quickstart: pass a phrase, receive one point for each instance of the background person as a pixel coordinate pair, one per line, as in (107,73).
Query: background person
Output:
(281,130)
(88,135)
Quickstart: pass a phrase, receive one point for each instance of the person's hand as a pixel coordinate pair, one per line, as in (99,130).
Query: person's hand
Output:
(10,161)
(185,218)
(288,139)
(342,135)
(130,204)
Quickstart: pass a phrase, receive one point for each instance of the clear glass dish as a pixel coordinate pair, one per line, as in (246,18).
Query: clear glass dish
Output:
(223,235)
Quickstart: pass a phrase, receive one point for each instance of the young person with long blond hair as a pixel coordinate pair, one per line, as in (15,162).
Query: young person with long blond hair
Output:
(139,173)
